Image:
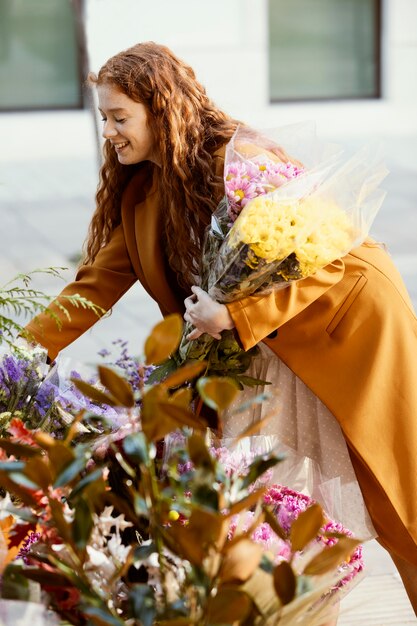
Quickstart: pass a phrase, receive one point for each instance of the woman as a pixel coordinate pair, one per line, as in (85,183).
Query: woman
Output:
(348,332)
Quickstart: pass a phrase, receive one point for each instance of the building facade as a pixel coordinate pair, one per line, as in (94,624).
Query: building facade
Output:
(349,65)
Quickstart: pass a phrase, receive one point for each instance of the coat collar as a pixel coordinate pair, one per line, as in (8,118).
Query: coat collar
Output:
(142,223)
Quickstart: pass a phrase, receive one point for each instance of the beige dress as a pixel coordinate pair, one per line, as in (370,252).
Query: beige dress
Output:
(317,461)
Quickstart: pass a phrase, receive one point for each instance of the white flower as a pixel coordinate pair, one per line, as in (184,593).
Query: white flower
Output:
(106,522)
(117,550)
(99,563)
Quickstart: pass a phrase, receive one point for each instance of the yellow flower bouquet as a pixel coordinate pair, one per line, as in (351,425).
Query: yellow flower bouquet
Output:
(282,218)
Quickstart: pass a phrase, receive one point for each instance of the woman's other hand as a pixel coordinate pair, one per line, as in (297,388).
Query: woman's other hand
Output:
(206,315)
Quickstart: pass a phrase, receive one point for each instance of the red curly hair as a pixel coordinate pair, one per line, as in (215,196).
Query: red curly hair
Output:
(187,129)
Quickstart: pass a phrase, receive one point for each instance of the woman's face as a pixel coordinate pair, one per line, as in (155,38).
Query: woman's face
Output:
(125,125)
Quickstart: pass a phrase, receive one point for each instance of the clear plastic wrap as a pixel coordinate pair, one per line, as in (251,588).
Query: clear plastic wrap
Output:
(290,208)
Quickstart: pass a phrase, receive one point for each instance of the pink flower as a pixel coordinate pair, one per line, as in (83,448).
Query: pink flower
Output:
(239,191)
(240,169)
(263,535)
(276,174)
(355,564)
(247,180)
(241,181)
(288,504)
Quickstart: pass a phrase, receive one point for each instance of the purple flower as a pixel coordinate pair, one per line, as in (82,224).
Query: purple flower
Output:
(23,553)
(45,397)
(14,368)
(184,468)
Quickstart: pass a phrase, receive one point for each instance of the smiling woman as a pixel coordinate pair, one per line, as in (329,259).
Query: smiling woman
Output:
(346,334)
(126,126)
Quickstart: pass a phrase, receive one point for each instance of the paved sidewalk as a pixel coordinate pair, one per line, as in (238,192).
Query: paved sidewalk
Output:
(45,207)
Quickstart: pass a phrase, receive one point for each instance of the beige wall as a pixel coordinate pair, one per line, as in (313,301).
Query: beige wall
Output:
(226,41)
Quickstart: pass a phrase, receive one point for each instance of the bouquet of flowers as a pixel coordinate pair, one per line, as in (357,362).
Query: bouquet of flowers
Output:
(45,397)
(280,220)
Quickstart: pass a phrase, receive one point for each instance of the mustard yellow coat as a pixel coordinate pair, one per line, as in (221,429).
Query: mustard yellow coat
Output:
(349,332)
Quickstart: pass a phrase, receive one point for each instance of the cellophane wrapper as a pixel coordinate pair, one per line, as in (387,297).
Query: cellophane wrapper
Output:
(292,205)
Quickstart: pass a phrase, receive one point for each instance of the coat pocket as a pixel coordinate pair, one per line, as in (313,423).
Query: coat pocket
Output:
(357,284)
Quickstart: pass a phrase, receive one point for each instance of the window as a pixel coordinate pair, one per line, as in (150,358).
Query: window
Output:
(324,49)
(40,58)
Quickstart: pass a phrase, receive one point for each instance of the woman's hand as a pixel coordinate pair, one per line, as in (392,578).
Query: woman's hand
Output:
(207,315)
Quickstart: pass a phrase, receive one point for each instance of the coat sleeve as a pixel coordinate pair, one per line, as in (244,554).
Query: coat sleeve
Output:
(255,317)
(103,282)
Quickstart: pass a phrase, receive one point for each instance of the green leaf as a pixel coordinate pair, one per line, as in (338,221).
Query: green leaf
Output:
(143,552)
(161,372)
(206,495)
(140,506)
(12,466)
(25,514)
(23,481)
(249,381)
(85,482)
(163,340)
(258,467)
(70,471)
(217,392)
(136,448)
(285,582)
(82,524)
(330,558)
(118,386)
(306,527)
(143,604)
